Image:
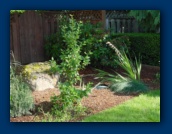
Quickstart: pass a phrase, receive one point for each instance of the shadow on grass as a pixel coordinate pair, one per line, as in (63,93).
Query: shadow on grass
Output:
(153,93)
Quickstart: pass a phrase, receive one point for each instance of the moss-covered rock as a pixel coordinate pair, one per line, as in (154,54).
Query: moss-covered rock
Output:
(38,76)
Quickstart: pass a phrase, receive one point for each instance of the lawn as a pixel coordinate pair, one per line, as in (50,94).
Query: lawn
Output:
(144,108)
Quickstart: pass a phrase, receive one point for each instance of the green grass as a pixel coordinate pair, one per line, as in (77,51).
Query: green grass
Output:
(144,108)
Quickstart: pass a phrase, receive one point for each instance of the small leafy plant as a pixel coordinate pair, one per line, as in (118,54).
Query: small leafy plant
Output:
(69,101)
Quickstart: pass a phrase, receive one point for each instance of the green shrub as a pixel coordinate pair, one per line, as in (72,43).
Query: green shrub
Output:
(55,43)
(53,46)
(88,36)
(101,54)
(145,44)
(21,100)
(68,102)
(72,60)
(92,36)
(69,99)
(93,41)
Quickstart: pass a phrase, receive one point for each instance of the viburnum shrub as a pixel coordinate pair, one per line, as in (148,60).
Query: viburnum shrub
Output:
(72,62)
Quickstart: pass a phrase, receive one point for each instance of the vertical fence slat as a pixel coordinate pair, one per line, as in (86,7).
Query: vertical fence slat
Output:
(30,29)
(52,26)
(31,35)
(15,41)
(24,38)
(107,24)
(16,47)
(118,25)
(123,26)
(113,25)
(122,20)
(11,38)
(135,26)
(39,38)
(103,12)
(129,25)
(44,34)
(46,28)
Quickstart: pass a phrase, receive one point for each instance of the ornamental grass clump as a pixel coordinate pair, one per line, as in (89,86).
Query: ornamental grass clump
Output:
(128,84)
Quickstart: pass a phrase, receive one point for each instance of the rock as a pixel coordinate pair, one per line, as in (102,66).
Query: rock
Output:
(42,81)
(39,77)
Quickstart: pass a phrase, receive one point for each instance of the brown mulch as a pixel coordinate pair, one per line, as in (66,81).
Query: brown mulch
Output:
(98,100)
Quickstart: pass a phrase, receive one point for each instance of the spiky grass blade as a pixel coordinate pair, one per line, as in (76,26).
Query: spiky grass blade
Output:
(127,66)
(111,78)
(138,67)
(132,69)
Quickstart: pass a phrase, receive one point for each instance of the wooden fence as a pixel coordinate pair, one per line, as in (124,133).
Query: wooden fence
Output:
(28,32)
(121,23)
(27,35)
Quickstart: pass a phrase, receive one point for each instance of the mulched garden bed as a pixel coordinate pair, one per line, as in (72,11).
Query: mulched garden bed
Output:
(98,100)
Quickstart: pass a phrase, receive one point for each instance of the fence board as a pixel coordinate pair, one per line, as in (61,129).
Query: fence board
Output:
(14,39)
(27,36)
(32,43)
(39,49)
(24,45)
(28,32)
(120,23)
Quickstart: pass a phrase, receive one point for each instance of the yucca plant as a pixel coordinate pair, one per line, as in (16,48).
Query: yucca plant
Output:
(120,84)
(133,69)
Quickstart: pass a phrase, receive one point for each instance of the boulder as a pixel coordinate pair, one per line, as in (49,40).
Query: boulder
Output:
(38,76)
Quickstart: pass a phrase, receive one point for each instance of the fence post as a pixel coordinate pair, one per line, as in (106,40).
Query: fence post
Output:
(118,25)
(104,18)
(15,37)
(129,25)
(113,27)
(123,26)
(135,26)
(107,24)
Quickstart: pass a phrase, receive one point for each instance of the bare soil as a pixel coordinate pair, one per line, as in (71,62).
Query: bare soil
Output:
(98,100)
